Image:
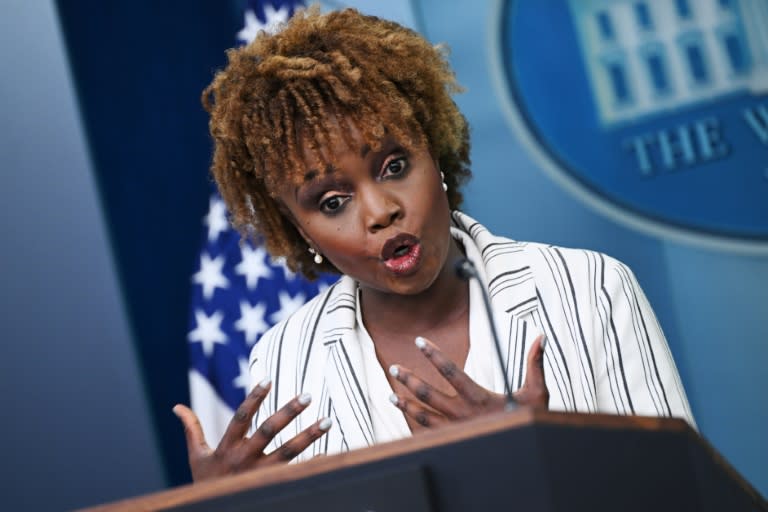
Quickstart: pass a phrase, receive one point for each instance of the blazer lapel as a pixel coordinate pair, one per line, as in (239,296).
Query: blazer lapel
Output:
(344,367)
(512,290)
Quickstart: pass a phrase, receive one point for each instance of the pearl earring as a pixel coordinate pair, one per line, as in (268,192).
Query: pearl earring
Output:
(318,259)
(442,178)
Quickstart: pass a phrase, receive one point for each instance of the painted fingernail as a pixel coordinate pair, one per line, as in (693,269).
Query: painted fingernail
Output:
(393,398)
(305,398)
(421,343)
(394,370)
(325,424)
(543,343)
(265,382)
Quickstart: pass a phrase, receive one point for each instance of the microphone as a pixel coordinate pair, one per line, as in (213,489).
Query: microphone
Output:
(466,270)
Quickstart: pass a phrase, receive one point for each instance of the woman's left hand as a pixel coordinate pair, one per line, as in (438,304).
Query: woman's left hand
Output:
(432,408)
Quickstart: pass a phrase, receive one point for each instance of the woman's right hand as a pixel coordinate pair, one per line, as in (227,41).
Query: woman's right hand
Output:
(237,452)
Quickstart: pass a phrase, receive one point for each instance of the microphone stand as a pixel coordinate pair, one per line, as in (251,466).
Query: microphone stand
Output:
(466,270)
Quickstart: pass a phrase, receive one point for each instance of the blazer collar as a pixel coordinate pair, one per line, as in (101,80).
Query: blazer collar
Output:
(509,277)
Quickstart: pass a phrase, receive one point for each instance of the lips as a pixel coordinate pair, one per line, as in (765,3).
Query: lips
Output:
(401,254)
(397,244)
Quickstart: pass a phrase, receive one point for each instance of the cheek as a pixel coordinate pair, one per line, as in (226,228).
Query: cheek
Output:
(436,202)
(436,187)
(439,220)
(340,243)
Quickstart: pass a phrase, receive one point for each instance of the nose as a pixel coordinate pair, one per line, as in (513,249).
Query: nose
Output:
(381,208)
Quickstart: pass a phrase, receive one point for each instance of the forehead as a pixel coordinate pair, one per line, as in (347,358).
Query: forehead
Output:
(318,145)
(320,151)
(313,151)
(335,138)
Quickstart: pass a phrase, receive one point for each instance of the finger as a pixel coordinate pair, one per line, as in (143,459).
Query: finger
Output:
(424,392)
(241,421)
(420,414)
(277,422)
(535,362)
(193,431)
(460,381)
(300,442)
(534,392)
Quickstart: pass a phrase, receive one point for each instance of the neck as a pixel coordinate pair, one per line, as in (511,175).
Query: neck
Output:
(412,315)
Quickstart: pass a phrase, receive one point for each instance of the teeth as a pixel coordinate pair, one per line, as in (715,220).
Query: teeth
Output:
(401,250)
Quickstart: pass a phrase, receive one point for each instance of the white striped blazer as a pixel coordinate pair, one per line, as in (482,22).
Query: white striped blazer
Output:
(605,349)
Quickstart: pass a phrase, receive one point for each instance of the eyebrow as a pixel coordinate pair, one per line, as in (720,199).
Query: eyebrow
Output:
(311,174)
(311,184)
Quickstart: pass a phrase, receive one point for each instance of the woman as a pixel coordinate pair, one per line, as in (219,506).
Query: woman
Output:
(337,140)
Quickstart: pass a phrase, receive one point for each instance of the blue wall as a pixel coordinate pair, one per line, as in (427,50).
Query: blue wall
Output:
(101,218)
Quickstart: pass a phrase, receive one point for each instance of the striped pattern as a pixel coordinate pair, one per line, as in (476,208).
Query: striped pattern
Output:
(606,351)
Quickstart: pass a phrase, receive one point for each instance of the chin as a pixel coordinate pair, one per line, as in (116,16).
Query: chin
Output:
(415,284)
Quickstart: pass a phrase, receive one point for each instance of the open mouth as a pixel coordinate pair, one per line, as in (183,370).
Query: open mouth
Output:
(401,254)
(402,250)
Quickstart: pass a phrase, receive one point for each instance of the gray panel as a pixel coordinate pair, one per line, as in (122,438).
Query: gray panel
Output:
(76,426)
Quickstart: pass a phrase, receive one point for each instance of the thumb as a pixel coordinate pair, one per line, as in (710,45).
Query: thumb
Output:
(534,377)
(193,431)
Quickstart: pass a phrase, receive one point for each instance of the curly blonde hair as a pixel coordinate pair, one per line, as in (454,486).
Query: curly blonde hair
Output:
(282,94)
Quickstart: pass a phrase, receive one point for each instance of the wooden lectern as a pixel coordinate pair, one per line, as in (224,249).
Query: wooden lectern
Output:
(522,460)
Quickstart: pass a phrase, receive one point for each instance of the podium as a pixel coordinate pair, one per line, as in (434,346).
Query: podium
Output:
(522,460)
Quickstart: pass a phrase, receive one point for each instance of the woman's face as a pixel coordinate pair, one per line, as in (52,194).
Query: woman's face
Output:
(381,217)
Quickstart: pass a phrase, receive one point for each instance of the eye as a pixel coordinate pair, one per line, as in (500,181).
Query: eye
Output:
(395,166)
(333,204)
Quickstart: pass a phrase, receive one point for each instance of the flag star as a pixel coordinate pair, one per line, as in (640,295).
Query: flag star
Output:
(208,331)
(288,305)
(241,381)
(253,266)
(280,262)
(251,321)
(216,220)
(274,17)
(210,276)
(251,28)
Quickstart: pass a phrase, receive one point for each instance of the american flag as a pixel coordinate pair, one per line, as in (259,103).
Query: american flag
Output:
(238,291)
